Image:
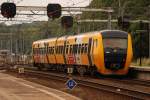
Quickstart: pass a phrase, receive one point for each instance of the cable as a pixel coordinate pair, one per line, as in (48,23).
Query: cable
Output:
(19,1)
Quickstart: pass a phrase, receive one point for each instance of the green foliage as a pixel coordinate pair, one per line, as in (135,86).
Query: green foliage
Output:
(136,9)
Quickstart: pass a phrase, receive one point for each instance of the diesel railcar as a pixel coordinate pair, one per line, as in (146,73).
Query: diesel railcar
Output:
(108,52)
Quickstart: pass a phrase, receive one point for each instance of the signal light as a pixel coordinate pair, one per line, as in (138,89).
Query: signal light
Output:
(67,21)
(8,10)
(53,10)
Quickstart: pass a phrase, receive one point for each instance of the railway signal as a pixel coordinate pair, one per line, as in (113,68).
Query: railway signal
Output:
(53,10)
(124,22)
(67,21)
(8,10)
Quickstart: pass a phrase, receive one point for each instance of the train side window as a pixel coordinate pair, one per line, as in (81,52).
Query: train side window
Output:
(39,51)
(67,49)
(36,51)
(71,49)
(86,48)
(50,50)
(74,48)
(79,48)
(82,50)
(62,49)
(59,49)
(43,50)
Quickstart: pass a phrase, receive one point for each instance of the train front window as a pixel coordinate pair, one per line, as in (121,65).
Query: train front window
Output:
(120,43)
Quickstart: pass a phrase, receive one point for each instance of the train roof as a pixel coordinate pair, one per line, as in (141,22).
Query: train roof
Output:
(104,32)
(107,31)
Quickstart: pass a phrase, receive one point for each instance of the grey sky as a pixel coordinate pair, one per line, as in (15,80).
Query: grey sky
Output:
(45,2)
(63,3)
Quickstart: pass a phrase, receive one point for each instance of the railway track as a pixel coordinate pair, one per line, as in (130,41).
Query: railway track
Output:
(137,89)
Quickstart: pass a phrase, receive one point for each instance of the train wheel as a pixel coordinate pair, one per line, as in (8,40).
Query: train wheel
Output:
(81,70)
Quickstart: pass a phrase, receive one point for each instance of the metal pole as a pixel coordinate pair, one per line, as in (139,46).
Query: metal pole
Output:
(11,42)
(140,49)
(149,39)
(149,32)
(109,20)
(141,43)
(119,7)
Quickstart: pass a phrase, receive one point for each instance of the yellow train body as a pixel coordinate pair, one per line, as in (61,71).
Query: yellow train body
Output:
(86,51)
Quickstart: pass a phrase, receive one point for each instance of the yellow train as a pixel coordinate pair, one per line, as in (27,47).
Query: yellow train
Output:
(108,52)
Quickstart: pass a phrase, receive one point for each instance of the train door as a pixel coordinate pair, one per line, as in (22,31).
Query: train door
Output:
(89,51)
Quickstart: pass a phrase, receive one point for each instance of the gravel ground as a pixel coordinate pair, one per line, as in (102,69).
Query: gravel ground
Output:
(82,92)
